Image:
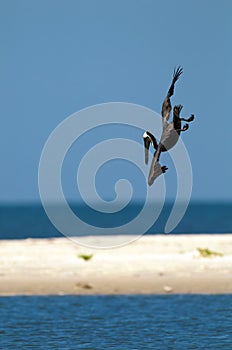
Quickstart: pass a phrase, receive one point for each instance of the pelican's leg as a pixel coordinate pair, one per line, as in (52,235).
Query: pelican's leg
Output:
(185,127)
(190,119)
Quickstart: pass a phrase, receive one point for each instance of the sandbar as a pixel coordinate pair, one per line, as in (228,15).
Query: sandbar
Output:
(152,264)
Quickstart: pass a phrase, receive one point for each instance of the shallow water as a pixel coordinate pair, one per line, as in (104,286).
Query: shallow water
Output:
(116,322)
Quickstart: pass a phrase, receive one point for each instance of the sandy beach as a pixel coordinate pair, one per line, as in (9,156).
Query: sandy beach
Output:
(152,264)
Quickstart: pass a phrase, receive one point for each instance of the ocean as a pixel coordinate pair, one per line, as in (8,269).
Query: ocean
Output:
(116,322)
(30,220)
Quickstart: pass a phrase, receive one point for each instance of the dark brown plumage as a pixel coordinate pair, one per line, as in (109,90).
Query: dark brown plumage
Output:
(170,134)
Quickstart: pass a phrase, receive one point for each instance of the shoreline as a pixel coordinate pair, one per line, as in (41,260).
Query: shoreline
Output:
(152,264)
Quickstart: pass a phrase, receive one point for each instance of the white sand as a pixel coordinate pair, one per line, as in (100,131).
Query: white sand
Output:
(152,264)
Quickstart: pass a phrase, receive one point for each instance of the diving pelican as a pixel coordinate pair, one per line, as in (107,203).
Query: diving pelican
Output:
(170,134)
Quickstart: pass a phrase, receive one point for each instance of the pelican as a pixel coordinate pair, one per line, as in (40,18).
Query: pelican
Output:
(170,133)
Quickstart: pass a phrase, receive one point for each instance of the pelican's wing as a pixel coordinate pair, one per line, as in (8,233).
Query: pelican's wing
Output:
(156,169)
(166,107)
(176,74)
(148,138)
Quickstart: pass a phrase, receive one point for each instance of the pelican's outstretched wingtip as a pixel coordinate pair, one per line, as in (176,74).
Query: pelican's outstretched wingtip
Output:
(179,107)
(177,73)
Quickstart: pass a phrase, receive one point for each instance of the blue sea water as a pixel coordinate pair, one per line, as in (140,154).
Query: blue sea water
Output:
(116,322)
(24,221)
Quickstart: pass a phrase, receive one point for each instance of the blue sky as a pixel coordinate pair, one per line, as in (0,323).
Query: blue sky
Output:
(58,57)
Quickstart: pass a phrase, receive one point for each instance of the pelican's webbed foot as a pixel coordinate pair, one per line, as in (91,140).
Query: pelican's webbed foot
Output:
(164,168)
(190,119)
(185,127)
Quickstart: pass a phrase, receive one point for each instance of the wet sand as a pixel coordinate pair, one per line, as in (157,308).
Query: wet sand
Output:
(156,264)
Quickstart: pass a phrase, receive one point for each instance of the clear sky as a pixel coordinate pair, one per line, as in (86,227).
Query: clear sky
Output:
(58,57)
